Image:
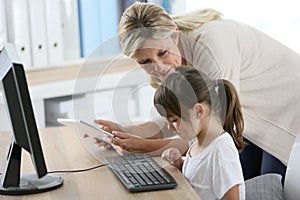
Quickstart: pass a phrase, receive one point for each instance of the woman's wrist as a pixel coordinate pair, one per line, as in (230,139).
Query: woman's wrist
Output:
(147,145)
(155,146)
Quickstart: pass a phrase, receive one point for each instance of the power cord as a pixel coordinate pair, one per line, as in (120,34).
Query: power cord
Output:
(75,170)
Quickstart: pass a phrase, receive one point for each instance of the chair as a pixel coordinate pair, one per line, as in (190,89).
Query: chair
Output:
(269,186)
(292,177)
(264,187)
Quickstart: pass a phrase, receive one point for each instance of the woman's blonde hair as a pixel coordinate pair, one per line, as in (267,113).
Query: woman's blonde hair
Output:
(143,20)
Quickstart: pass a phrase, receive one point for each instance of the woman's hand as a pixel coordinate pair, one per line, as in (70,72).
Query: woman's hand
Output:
(108,126)
(173,156)
(124,143)
(100,142)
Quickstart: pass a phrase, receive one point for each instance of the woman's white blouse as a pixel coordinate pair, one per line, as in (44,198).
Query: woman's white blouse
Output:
(265,72)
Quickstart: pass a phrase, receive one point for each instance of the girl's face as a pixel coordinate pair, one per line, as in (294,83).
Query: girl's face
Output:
(186,129)
(159,57)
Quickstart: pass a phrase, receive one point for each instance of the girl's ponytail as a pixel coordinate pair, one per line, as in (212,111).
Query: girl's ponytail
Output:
(234,123)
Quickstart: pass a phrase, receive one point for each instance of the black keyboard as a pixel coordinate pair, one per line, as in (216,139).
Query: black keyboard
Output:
(139,172)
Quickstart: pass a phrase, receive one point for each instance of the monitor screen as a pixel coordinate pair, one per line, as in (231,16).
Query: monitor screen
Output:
(25,133)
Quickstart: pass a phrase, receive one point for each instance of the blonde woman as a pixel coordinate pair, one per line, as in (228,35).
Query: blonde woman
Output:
(265,73)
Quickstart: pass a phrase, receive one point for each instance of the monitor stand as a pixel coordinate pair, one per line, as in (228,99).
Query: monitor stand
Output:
(12,183)
(31,184)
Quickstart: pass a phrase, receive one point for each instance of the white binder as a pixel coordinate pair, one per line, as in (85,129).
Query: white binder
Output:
(18,30)
(38,33)
(70,29)
(3,34)
(54,31)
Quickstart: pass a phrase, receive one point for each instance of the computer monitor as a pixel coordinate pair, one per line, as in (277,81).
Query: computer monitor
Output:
(25,132)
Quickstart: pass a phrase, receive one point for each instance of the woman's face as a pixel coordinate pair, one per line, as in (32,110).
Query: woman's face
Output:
(159,57)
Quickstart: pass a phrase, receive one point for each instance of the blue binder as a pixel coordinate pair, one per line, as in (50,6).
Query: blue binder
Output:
(98,24)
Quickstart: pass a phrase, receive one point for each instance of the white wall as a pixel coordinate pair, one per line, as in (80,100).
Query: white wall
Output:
(279,19)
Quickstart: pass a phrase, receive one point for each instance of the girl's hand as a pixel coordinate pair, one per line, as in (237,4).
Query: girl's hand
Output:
(173,156)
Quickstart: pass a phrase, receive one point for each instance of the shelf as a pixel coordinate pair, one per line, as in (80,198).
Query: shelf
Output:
(77,78)
(61,80)
(79,69)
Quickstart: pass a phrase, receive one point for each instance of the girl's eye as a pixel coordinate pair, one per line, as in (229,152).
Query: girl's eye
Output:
(173,120)
(143,62)
(162,53)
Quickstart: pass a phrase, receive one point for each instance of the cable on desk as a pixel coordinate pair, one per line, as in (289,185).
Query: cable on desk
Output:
(77,170)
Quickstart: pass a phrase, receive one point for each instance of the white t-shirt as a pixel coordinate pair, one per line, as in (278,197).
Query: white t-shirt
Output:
(215,170)
(265,72)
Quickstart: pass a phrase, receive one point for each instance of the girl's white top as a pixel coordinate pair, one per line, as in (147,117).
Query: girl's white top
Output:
(215,170)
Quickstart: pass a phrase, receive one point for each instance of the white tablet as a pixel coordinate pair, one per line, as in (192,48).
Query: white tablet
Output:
(85,128)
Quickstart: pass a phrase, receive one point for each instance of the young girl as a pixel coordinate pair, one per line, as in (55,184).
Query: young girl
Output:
(209,113)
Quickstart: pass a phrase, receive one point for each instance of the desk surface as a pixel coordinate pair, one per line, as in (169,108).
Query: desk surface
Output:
(64,151)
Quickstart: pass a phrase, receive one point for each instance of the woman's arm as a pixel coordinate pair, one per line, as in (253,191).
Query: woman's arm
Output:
(143,138)
(147,129)
(153,147)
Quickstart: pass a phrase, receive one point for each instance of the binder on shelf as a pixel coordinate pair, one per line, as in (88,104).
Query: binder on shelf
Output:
(178,7)
(109,19)
(70,29)
(89,26)
(18,30)
(155,2)
(54,32)
(37,23)
(98,22)
(166,4)
(3,32)
(126,3)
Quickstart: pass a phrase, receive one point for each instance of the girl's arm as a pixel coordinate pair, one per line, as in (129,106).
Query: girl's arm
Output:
(173,156)
(232,193)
